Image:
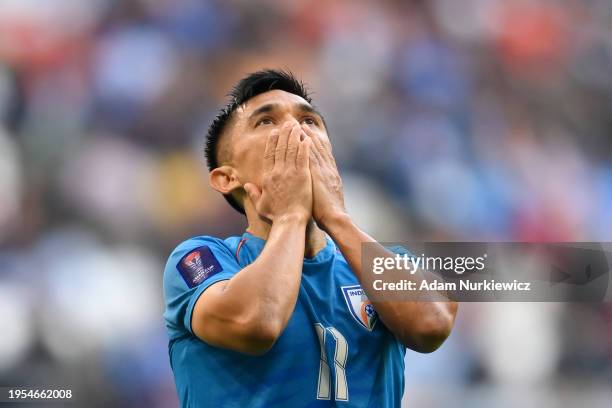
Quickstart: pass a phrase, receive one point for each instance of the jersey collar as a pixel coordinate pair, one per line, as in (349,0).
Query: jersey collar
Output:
(257,244)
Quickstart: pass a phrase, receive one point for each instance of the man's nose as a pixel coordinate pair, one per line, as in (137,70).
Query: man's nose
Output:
(293,122)
(290,121)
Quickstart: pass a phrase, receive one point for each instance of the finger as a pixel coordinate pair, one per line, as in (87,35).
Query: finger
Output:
(293,144)
(308,130)
(323,144)
(316,141)
(281,146)
(327,148)
(253,192)
(270,150)
(315,154)
(303,153)
(330,154)
(314,164)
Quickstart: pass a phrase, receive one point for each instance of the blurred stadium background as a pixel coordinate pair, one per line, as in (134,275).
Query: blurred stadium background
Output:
(451,120)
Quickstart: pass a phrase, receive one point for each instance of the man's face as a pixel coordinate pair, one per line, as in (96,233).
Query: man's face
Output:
(255,120)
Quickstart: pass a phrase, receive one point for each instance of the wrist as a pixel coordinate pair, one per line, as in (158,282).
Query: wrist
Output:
(334,221)
(292,218)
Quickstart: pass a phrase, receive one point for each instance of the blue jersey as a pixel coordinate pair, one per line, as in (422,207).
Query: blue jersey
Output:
(333,352)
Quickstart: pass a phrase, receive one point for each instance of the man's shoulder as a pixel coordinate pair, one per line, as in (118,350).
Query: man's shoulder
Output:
(194,255)
(214,244)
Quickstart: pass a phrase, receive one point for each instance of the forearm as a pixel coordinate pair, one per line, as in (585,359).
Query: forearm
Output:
(422,326)
(267,290)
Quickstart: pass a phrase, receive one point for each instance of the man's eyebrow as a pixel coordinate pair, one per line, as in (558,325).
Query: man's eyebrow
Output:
(267,108)
(304,107)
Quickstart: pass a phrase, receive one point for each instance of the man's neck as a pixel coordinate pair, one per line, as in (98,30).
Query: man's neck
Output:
(315,237)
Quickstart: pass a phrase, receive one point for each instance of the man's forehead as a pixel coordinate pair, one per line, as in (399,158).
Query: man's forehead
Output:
(275,96)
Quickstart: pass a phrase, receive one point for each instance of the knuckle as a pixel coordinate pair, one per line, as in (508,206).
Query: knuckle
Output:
(274,177)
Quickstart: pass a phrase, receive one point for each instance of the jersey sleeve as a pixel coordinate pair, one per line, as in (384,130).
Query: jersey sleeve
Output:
(191,268)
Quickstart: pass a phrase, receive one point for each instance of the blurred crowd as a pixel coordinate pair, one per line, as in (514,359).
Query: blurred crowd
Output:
(450,120)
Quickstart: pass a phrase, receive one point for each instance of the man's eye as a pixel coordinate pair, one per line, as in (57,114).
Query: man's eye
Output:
(264,121)
(309,121)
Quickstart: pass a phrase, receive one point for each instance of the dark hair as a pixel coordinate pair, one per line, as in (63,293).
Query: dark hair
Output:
(248,87)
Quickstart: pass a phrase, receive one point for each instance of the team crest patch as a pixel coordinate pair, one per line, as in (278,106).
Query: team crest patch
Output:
(360,306)
(198,265)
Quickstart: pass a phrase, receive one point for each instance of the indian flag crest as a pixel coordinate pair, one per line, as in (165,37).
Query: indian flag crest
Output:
(360,306)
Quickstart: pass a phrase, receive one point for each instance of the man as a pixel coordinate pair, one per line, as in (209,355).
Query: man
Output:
(278,317)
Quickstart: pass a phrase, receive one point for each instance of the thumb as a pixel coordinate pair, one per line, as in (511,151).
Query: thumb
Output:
(253,192)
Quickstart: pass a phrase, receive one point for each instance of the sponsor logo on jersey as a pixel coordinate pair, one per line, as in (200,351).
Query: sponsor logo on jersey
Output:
(360,306)
(198,265)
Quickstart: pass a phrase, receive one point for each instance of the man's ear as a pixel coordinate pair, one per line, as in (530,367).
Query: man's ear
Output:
(224,179)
